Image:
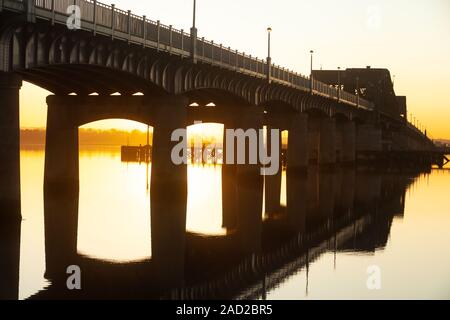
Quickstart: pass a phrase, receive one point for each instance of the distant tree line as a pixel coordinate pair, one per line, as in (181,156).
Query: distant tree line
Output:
(91,137)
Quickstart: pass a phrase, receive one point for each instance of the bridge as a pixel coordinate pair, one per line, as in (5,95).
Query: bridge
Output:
(183,78)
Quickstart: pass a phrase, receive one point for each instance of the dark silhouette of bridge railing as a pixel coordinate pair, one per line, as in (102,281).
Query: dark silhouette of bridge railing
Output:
(109,20)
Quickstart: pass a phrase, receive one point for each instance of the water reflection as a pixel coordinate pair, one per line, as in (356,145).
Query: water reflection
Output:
(329,226)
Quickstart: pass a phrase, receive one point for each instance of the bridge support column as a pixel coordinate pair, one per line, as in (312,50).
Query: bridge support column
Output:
(61,147)
(9,147)
(327,145)
(368,140)
(168,191)
(313,139)
(298,143)
(273,183)
(348,149)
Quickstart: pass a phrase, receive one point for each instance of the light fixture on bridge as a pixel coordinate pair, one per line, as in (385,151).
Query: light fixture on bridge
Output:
(311,71)
(269,58)
(194,35)
(211,104)
(194,104)
(339,83)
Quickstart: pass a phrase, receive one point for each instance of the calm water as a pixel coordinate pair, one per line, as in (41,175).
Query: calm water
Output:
(350,221)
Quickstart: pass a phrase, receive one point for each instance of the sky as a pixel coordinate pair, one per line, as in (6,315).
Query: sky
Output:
(410,38)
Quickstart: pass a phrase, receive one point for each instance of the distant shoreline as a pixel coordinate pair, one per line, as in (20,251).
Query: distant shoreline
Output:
(36,137)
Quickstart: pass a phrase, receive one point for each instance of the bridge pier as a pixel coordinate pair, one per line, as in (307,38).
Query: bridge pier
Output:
(9,147)
(298,143)
(168,194)
(61,146)
(327,142)
(313,139)
(345,141)
(368,140)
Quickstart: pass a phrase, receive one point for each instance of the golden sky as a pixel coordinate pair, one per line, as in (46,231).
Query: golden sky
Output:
(410,38)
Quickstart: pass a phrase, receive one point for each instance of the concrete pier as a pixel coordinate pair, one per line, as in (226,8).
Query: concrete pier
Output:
(298,143)
(346,142)
(368,138)
(61,147)
(313,139)
(327,144)
(9,147)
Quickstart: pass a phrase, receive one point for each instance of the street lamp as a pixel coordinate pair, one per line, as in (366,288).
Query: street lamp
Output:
(269,58)
(195,11)
(311,74)
(339,83)
(194,35)
(357,92)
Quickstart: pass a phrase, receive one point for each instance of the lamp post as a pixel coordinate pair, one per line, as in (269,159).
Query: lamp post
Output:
(357,92)
(194,35)
(269,58)
(311,73)
(339,83)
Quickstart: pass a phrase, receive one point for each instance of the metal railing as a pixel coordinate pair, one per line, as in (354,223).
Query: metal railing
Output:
(142,30)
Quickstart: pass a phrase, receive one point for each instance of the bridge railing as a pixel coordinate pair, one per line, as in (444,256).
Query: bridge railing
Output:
(152,33)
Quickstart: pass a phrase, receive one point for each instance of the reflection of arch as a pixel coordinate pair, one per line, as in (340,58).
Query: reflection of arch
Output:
(95,208)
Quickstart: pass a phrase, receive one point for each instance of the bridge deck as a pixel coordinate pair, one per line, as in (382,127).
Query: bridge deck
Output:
(108,20)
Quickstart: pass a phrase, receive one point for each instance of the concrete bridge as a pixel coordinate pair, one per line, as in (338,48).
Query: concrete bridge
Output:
(329,121)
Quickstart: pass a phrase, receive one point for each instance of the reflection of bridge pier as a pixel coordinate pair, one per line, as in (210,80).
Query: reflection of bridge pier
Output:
(367,191)
(229,189)
(9,146)
(322,186)
(9,259)
(273,182)
(250,190)
(61,229)
(297,190)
